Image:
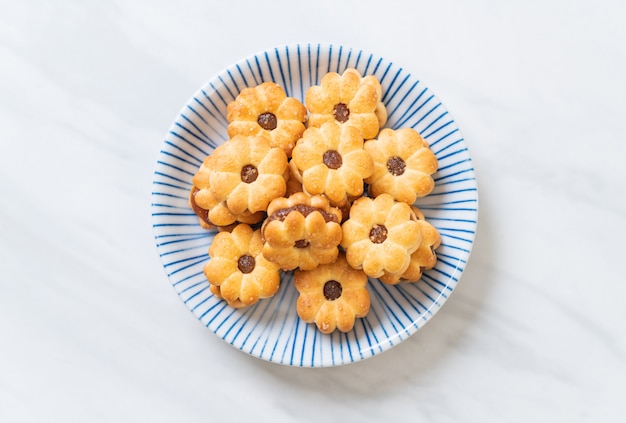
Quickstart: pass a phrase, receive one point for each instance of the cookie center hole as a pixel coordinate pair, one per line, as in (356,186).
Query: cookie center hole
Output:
(332,290)
(396,166)
(267,121)
(341,112)
(332,159)
(301,243)
(249,174)
(246,263)
(378,234)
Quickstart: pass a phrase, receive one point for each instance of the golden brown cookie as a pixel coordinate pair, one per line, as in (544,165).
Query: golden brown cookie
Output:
(348,99)
(247,173)
(266,110)
(423,258)
(332,295)
(301,232)
(237,267)
(332,162)
(380,235)
(403,165)
(211,212)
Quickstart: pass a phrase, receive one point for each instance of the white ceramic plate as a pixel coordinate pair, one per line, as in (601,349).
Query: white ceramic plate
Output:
(271,329)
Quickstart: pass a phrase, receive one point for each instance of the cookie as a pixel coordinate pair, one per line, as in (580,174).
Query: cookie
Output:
(247,173)
(211,212)
(331,161)
(301,232)
(266,110)
(380,235)
(423,258)
(238,269)
(332,296)
(403,165)
(348,99)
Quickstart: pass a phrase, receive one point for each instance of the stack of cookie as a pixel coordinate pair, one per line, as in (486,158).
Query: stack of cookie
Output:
(320,190)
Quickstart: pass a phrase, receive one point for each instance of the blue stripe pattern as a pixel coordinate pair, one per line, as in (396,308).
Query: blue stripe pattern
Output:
(271,329)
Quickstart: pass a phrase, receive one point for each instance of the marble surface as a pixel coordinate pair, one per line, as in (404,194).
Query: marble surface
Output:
(92,331)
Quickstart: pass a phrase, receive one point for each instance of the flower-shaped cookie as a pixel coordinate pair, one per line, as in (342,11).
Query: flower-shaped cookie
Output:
(380,235)
(332,295)
(237,267)
(211,212)
(348,99)
(423,258)
(248,173)
(266,110)
(301,232)
(332,161)
(403,165)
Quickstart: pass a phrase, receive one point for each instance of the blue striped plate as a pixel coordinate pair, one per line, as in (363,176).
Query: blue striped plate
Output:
(271,329)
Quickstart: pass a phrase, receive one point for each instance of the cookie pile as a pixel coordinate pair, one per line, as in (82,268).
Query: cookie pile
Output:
(322,190)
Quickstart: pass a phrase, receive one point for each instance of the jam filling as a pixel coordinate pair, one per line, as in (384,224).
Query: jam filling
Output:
(301,243)
(267,121)
(341,112)
(332,290)
(378,234)
(396,166)
(249,174)
(199,211)
(303,210)
(332,159)
(246,263)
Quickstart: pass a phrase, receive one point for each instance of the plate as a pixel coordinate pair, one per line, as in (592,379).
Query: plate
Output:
(271,329)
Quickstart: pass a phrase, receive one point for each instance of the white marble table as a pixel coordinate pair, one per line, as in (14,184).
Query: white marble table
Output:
(91,330)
